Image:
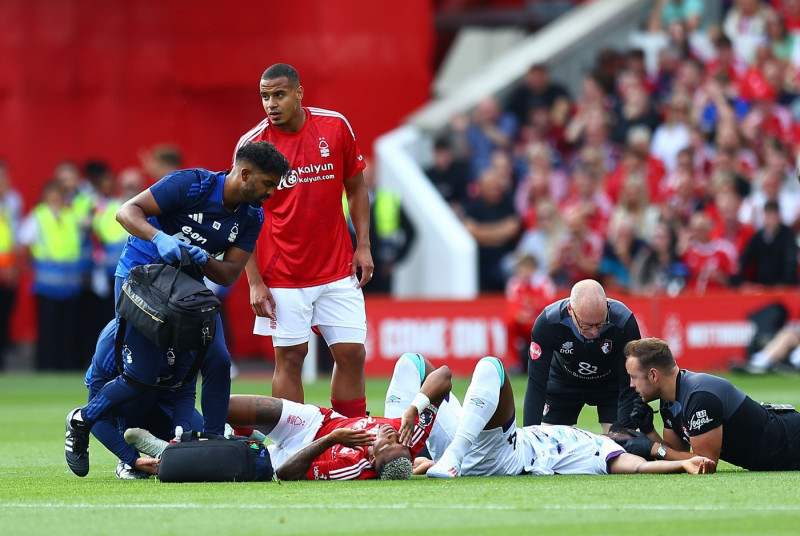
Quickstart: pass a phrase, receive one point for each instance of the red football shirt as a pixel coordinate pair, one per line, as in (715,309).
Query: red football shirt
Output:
(703,260)
(305,241)
(345,463)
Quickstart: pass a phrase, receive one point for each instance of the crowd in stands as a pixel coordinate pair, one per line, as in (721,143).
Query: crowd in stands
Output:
(670,180)
(64,250)
(656,181)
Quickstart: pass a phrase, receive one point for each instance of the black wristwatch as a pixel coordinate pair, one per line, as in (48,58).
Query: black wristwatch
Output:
(661,453)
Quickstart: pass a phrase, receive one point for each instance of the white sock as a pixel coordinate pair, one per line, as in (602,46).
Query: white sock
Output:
(405,384)
(480,403)
(794,357)
(760,360)
(444,427)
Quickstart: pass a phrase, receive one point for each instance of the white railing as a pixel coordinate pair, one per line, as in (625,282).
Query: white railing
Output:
(442,261)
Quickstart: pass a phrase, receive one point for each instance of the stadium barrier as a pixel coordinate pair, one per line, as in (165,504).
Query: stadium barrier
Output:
(706,332)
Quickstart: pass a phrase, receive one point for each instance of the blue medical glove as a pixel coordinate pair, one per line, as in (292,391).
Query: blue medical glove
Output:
(197,254)
(169,247)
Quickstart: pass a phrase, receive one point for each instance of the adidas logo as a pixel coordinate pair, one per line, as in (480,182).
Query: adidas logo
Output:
(197,217)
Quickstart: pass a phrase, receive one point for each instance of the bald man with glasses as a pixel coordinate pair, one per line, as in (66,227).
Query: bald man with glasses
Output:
(577,359)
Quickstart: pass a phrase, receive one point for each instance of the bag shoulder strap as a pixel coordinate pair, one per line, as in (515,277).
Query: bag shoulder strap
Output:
(119,342)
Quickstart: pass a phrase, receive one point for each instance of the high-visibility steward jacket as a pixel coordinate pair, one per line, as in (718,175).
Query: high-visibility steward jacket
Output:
(386,210)
(56,253)
(7,257)
(111,235)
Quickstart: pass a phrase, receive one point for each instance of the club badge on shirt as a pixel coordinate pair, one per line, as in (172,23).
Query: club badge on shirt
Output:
(324,148)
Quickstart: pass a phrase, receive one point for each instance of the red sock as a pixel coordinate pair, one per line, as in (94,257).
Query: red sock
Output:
(350,408)
(242,431)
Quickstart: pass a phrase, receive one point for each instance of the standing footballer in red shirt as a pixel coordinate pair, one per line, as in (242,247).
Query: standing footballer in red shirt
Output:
(304,273)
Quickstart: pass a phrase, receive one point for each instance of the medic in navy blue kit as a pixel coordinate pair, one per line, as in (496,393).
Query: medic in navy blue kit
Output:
(216,217)
(154,409)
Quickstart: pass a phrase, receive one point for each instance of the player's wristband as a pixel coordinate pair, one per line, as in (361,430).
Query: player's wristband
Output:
(421,402)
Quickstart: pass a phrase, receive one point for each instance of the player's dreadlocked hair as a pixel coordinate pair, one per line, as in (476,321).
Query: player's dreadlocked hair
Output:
(398,469)
(264,156)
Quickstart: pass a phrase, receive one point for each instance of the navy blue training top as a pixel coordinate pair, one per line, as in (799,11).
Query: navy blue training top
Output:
(191,203)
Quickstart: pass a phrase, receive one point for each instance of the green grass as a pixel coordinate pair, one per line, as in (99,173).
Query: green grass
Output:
(39,495)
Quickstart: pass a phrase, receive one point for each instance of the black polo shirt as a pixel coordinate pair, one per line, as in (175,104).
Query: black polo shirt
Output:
(752,437)
(561,356)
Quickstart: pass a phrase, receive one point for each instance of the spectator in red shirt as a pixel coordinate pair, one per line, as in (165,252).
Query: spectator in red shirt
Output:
(789,11)
(725,61)
(765,117)
(727,224)
(681,198)
(577,255)
(702,152)
(527,293)
(637,160)
(711,262)
(587,196)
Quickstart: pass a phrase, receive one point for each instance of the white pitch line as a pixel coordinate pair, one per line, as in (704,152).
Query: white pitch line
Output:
(316,506)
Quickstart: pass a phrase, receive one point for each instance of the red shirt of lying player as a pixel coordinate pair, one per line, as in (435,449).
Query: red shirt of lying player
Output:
(356,463)
(310,442)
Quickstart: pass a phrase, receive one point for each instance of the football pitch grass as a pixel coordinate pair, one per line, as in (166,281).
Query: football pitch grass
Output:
(39,495)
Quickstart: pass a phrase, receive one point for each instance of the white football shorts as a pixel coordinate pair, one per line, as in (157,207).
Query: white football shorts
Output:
(336,308)
(297,428)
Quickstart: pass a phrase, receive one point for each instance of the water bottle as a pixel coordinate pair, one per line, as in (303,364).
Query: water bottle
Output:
(178,434)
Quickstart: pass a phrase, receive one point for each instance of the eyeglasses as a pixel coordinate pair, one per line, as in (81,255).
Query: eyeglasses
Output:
(586,327)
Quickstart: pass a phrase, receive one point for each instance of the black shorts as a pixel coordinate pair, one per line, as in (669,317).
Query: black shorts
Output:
(564,403)
(791,420)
